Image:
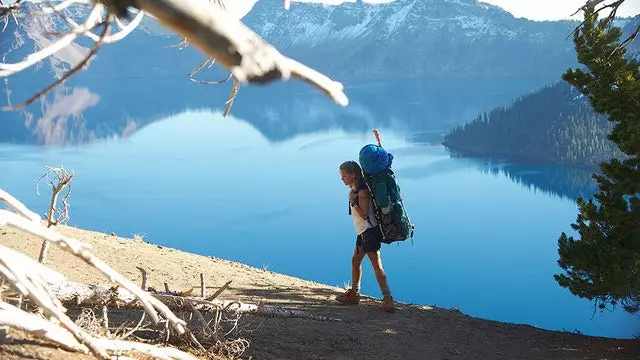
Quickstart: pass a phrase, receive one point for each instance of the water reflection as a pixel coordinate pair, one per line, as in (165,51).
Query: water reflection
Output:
(102,100)
(549,179)
(563,182)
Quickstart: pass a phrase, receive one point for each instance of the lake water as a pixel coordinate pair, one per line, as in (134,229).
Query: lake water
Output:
(486,233)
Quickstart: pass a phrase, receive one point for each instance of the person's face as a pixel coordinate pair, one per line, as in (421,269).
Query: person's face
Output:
(347,178)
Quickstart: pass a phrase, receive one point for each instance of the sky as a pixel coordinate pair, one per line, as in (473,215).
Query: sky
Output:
(530,9)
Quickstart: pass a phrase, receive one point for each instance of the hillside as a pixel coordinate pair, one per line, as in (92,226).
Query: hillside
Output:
(553,125)
(365,332)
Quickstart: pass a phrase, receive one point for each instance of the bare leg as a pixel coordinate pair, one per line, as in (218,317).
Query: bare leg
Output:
(381,277)
(352,296)
(356,268)
(376,262)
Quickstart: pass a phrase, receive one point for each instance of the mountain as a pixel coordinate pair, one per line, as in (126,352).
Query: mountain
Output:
(631,27)
(415,39)
(458,58)
(553,125)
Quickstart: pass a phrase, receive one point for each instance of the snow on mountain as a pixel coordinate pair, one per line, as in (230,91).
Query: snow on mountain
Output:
(422,37)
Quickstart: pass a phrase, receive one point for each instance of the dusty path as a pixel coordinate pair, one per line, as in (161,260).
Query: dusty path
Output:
(366,332)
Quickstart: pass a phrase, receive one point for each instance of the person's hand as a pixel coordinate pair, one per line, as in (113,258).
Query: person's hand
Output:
(353,196)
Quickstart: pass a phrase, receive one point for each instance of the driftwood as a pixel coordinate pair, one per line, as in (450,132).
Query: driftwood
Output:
(30,221)
(18,319)
(52,295)
(71,293)
(21,320)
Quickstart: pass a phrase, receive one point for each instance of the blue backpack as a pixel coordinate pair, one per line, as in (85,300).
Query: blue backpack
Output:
(391,214)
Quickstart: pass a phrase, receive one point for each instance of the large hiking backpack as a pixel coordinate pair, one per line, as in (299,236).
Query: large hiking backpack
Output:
(390,212)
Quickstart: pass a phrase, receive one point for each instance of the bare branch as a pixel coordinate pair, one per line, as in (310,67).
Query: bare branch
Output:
(5,9)
(204,23)
(607,20)
(201,66)
(92,21)
(81,250)
(247,56)
(63,180)
(232,97)
(75,69)
(30,284)
(110,39)
(39,327)
(63,5)
(629,39)
(18,206)
(135,328)
(18,319)
(143,286)
(217,293)
(205,82)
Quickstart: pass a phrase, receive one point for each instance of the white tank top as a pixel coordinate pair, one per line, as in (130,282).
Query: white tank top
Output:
(360,224)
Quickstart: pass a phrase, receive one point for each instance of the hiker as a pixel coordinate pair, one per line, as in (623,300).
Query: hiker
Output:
(369,236)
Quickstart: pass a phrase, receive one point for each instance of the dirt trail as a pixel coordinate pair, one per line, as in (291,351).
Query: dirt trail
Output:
(366,332)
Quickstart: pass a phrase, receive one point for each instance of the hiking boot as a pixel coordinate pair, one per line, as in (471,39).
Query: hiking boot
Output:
(349,297)
(387,304)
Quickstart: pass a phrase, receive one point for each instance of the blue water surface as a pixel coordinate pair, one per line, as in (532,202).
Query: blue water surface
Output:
(486,232)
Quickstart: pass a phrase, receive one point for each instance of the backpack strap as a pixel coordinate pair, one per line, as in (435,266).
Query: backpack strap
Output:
(349,204)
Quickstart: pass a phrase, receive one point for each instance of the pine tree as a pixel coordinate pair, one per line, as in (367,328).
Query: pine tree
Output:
(603,263)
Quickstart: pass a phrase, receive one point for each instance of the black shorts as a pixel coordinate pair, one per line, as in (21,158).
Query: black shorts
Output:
(370,240)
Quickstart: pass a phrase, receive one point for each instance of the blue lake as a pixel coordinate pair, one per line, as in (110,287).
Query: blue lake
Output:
(486,233)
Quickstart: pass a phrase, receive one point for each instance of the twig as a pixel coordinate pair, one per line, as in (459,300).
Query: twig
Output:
(203,288)
(201,66)
(75,69)
(92,21)
(217,293)
(159,352)
(143,286)
(63,180)
(5,9)
(105,319)
(63,5)
(207,82)
(234,92)
(113,38)
(205,327)
(135,328)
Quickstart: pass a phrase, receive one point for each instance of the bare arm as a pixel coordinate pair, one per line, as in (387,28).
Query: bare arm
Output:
(363,204)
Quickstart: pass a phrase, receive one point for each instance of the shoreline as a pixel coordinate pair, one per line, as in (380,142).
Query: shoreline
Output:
(365,330)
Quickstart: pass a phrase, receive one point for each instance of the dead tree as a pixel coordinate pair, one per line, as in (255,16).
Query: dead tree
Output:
(612,7)
(55,215)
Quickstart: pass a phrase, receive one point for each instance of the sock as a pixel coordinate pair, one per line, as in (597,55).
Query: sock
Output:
(386,292)
(356,287)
